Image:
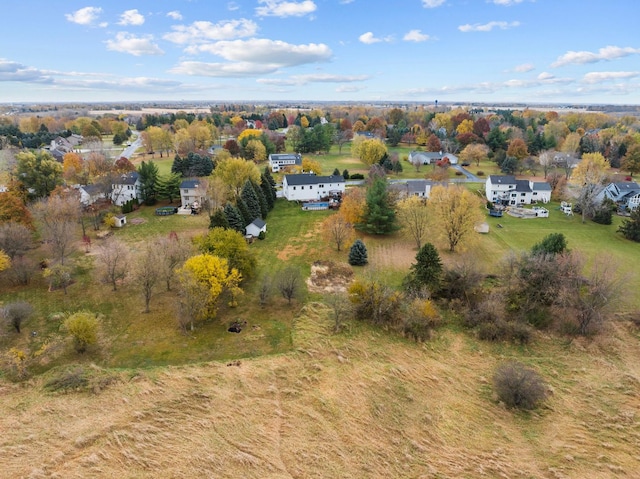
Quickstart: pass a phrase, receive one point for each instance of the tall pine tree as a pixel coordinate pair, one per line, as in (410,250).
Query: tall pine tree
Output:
(266,192)
(219,219)
(379,215)
(245,213)
(358,254)
(251,200)
(234,218)
(264,206)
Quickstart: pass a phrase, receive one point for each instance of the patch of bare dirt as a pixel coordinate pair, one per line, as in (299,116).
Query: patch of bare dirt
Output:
(329,277)
(137,221)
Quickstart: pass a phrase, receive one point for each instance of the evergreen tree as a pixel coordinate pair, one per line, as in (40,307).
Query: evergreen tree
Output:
(180,166)
(218,219)
(336,172)
(397,167)
(358,254)
(264,206)
(269,177)
(427,269)
(245,213)
(379,215)
(168,186)
(345,174)
(250,198)
(554,243)
(234,218)
(630,228)
(148,179)
(265,187)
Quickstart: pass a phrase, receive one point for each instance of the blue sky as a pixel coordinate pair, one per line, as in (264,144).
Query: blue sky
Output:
(551,51)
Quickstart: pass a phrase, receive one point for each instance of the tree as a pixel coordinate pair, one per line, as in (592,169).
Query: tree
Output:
(13,209)
(554,243)
(630,228)
(40,173)
(218,220)
(413,217)
(175,251)
(168,186)
(589,175)
(234,173)
(474,152)
(83,327)
(369,151)
(375,301)
(234,218)
(114,258)
(193,298)
(336,230)
(456,211)
(546,161)
(214,272)
(59,217)
(16,313)
(123,166)
(353,205)
(427,270)
(379,216)
(255,151)
(631,160)
(340,309)
(59,276)
(288,281)
(250,198)
(433,143)
(148,269)
(15,239)
(518,386)
(5,261)
(148,172)
(358,254)
(230,245)
(73,168)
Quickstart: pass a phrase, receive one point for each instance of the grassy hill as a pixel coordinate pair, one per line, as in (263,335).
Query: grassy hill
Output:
(359,404)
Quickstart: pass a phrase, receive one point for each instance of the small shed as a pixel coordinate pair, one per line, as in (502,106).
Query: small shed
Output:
(256,227)
(120,221)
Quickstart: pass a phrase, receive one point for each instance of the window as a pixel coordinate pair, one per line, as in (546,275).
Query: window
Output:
(294,187)
(522,194)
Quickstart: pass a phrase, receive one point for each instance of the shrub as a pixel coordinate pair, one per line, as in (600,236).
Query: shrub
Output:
(17,313)
(494,331)
(83,327)
(480,173)
(358,254)
(459,173)
(520,333)
(518,386)
(357,176)
(261,235)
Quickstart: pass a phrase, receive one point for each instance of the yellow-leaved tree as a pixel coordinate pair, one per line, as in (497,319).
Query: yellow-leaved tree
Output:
(234,172)
(413,216)
(455,211)
(588,176)
(369,151)
(249,133)
(309,165)
(213,273)
(5,261)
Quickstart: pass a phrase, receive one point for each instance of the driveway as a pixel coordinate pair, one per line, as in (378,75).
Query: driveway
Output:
(469,176)
(130,150)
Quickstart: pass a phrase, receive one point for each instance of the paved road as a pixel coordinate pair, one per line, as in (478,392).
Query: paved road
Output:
(130,150)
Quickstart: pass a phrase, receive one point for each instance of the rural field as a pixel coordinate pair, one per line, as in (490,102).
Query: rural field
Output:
(288,397)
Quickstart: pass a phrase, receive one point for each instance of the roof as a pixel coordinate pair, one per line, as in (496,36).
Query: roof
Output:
(259,222)
(189,184)
(92,189)
(285,156)
(625,186)
(541,186)
(523,186)
(308,179)
(127,179)
(502,179)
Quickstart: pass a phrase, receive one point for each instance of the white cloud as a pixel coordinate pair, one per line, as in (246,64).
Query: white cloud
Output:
(604,54)
(13,71)
(369,38)
(600,77)
(233,6)
(203,31)
(487,27)
(349,89)
(524,68)
(137,46)
(506,3)
(175,15)
(241,69)
(432,3)
(84,16)
(283,8)
(416,36)
(131,17)
(346,2)
(546,76)
(313,78)
(264,51)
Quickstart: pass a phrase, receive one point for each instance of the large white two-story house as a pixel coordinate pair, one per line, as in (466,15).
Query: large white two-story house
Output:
(310,187)
(125,188)
(625,194)
(278,161)
(506,190)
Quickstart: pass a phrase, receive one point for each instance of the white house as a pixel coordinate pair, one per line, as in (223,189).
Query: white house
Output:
(420,188)
(89,194)
(192,193)
(626,193)
(431,157)
(278,161)
(126,188)
(309,187)
(256,227)
(509,191)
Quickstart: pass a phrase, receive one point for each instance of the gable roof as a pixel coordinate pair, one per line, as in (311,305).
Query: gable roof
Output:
(502,179)
(523,186)
(285,156)
(189,184)
(541,186)
(92,189)
(127,179)
(259,223)
(309,179)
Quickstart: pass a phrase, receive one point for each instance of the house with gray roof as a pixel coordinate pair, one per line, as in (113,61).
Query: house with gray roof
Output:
(431,157)
(279,161)
(310,187)
(507,190)
(420,188)
(126,187)
(192,194)
(625,194)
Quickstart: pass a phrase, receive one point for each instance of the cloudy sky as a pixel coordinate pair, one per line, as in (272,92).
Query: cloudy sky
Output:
(559,51)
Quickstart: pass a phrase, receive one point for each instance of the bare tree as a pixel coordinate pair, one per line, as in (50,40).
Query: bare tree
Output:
(59,217)
(15,239)
(341,309)
(175,251)
(148,271)
(289,281)
(193,300)
(338,230)
(17,313)
(546,161)
(265,289)
(413,216)
(114,259)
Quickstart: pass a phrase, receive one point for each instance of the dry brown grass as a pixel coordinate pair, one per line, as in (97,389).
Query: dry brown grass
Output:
(347,406)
